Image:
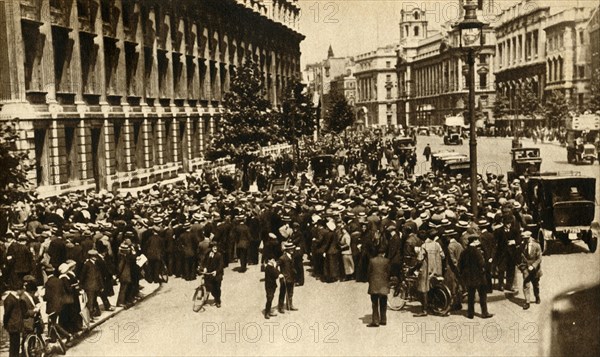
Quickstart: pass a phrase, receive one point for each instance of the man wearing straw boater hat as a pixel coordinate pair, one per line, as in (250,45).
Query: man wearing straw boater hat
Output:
(286,288)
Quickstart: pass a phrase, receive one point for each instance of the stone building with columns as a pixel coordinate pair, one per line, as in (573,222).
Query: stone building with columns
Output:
(110,94)
(376,84)
(567,62)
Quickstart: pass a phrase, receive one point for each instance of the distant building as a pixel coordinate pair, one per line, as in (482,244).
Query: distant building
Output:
(346,85)
(377,83)
(567,62)
(319,77)
(431,71)
(593,29)
(544,49)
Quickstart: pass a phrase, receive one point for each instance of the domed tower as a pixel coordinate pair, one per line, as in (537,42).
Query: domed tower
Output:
(413,25)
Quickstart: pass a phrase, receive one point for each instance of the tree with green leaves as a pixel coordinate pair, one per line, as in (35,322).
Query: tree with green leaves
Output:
(556,109)
(501,106)
(297,118)
(13,176)
(248,122)
(527,100)
(594,101)
(340,115)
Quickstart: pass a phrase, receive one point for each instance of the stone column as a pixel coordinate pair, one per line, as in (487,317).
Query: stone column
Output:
(54,155)
(160,140)
(47,64)
(109,148)
(84,151)
(126,130)
(201,135)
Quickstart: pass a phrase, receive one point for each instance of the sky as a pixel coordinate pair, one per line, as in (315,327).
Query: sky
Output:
(357,26)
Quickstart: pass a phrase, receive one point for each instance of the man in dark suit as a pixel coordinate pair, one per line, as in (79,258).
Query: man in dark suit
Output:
(379,278)
(55,297)
(507,239)
(19,261)
(394,250)
(189,244)
(271,275)
(213,268)
(241,234)
(286,266)
(154,252)
(472,270)
(57,250)
(13,320)
(92,282)
(531,267)
(221,232)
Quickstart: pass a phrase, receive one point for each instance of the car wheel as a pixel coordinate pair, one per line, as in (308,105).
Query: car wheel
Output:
(592,244)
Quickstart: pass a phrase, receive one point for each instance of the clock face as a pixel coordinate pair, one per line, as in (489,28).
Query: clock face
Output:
(470,37)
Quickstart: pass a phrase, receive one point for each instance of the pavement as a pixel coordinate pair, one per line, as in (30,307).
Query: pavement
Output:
(147,291)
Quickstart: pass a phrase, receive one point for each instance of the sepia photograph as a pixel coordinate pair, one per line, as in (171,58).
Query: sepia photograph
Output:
(299,178)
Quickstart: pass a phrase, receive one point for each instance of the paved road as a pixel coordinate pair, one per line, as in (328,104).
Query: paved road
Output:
(332,318)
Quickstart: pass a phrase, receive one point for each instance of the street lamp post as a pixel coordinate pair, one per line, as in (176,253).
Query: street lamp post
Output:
(470,40)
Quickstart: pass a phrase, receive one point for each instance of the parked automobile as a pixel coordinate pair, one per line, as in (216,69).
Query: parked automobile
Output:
(564,206)
(322,167)
(571,323)
(525,161)
(450,162)
(423,130)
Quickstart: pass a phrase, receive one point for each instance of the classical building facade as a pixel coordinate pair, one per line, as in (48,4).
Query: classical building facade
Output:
(593,30)
(567,63)
(432,73)
(376,84)
(521,53)
(111,94)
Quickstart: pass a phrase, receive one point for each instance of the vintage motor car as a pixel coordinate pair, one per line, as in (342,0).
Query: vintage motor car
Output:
(438,157)
(423,130)
(401,141)
(524,162)
(582,132)
(569,325)
(451,163)
(453,138)
(564,206)
(582,153)
(322,167)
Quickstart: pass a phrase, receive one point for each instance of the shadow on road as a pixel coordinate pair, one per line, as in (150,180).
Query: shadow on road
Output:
(559,248)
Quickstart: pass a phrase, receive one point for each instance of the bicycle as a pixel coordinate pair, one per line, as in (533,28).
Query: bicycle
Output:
(200,294)
(439,298)
(40,344)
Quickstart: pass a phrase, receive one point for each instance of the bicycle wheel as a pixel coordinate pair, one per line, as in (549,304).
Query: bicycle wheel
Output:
(398,296)
(34,346)
(439,300)
(164,274)
(199,298)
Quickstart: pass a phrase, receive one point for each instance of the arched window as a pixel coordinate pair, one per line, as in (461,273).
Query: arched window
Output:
(406,31)
(416,30)
(416,15)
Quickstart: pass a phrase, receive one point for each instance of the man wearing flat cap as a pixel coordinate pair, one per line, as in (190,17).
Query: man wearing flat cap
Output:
(531,267)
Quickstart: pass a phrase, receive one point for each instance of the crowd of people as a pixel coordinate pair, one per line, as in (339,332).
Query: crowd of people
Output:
(358,225)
